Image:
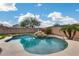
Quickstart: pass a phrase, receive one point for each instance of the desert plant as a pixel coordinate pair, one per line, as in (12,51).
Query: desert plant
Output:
(70,30)
(48,30)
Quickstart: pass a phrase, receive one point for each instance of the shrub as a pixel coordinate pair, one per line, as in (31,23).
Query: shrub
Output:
(48,30)
(1,37)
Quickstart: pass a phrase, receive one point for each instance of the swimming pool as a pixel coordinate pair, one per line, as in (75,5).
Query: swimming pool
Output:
(44,45)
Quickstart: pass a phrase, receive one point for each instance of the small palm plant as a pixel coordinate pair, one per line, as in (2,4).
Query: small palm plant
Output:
(70,30)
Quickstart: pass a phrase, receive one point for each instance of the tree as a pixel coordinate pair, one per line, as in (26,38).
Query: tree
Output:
(30,22)
(70,30)
(25,22)
(34,22)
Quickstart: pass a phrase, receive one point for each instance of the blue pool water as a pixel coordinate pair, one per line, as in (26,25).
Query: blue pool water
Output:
(45,45)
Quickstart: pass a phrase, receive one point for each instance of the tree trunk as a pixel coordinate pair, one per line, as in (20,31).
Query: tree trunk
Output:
(73,35)
(38,28)
(69,34)
(65,34)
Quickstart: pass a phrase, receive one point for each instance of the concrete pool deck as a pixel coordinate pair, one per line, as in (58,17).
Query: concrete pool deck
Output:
(15,49)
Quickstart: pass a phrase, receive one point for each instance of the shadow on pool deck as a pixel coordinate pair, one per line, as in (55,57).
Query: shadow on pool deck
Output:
(0,50)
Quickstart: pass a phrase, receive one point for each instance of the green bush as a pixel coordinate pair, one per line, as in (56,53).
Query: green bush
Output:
(48,30)
(1,37)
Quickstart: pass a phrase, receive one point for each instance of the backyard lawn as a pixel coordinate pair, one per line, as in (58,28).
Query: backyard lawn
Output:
(2,36)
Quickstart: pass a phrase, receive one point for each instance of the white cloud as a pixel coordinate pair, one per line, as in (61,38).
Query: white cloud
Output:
(46,23)
(68,20)
(77,10)
(39,4)
(57,17)
(5,23)
(7,7)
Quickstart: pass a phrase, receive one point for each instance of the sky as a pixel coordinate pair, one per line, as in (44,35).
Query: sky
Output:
(48,13)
